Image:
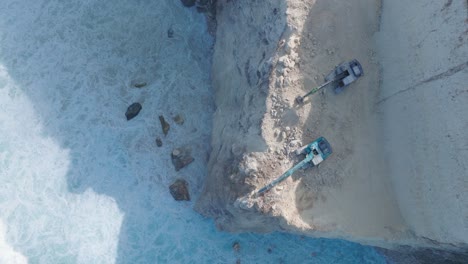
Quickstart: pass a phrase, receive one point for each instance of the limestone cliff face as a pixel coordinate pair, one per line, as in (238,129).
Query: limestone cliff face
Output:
(246,39)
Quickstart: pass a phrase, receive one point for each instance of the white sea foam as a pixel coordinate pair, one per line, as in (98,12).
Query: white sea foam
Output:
(80,183)
(8,254)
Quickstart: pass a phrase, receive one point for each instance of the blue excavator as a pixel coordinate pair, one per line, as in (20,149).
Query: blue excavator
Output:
(315,153)
(342,76)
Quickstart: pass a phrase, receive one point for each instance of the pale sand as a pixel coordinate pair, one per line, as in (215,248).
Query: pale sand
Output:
(350,194)
(424,102)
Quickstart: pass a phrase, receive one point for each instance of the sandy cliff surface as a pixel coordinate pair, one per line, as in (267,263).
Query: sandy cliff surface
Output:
(424,106)
(267,53)
(246,41)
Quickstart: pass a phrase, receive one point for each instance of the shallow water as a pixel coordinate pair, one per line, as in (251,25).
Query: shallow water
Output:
(80,183)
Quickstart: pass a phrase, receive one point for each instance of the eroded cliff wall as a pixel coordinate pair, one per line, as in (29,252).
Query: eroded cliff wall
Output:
(398,175)
(423,46)
(246,39)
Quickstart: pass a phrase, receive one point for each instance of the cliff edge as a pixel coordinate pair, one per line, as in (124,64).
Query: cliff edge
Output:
(269,52)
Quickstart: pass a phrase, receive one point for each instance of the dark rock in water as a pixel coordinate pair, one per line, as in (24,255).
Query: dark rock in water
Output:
(179,190)
(188,3)
(236,246)
(179,119)
(170,33)
(158,142)
(133,110)
(164,125)
(181,157)
(140,84)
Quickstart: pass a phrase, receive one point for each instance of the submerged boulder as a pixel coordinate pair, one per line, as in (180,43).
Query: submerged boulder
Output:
(170,33)
(179,119)
(236,247)
(139,84)
(179,190)
(159,142)
(133,110)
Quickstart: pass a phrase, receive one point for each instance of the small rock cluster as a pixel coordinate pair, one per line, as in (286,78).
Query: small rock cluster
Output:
(280,106)
(181,157)
(288,62)
(289,138)
(134,109)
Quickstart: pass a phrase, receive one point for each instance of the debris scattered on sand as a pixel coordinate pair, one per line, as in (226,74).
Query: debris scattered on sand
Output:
(283,135)
(133,110)
(181,157)
(179,119)
(179,190)
(158,142)
(164,125)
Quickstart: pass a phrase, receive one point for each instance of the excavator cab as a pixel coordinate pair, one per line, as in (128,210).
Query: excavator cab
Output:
(315,153)
(345,74)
